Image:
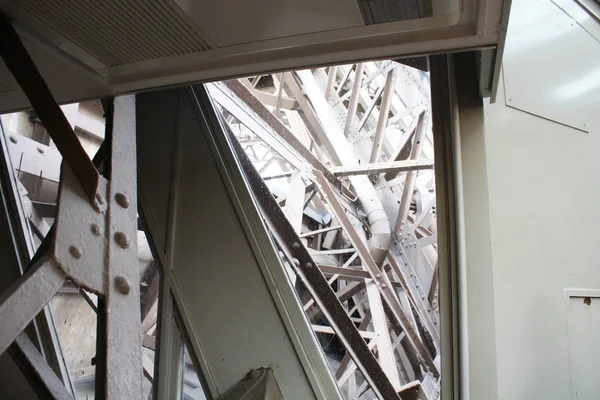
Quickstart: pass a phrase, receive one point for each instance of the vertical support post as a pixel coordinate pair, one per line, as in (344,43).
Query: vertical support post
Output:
(385,351)
(123,357)
(384,111)
(353,104)
(411,176)
(331,80)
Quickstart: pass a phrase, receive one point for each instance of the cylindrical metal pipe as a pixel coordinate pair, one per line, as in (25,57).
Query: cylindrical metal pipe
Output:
(376,215)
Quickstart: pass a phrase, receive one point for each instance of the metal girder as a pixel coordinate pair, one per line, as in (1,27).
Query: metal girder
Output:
(310,117)
(40,376)
(383,167)
(95,247)
(252,124)
(353,103)
(409,184)
(123,359)
(384,283)
(78,248)
(20,303)
(418,297)
(247,97)
(308,272)
(21,66)
(388,93)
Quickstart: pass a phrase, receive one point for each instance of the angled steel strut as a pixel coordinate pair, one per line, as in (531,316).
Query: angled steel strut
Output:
(94,239)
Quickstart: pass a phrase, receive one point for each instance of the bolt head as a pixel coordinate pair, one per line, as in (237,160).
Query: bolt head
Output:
(122,200)
(308,265)
(296,261)
(13,139)
(122,240)
(122,285)
(95,229)
(295,245)
(384,286)
(75,251)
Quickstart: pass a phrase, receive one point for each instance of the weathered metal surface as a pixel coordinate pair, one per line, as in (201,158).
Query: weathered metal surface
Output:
(124,359)
(79,252)
(36,370)
(20,303)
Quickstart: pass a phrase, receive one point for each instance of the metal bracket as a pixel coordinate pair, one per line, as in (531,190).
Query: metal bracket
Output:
(259,384)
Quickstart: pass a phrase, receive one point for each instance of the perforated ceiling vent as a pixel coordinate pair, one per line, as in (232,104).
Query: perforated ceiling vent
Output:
(120,32)
(380,11)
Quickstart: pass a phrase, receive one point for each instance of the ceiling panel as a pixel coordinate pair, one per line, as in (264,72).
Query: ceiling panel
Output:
(235,22)
(120,32)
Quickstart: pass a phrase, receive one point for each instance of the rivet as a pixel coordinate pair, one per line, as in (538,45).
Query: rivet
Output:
(384,285)
(416,285)
(122,200)
(40,150)
(75,251)
(296,261)
(122,285)
(13,139)
(99,198)
(377,276)
(422,297)
(295,245)
(122,240)
(95,229)
(308,265)
(435,322)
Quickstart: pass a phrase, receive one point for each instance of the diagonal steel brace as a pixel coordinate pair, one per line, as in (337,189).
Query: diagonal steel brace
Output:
(22,67)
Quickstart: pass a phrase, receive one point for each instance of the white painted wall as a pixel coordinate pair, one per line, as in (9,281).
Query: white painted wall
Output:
(544,191)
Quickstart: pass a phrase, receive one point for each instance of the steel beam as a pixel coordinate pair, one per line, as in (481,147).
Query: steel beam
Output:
(20,303)
(353,103)
(383,167)
(315,282)
(384,284)
(123,357)
(409,184)
(22,67)
(40,376)
(384,111)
